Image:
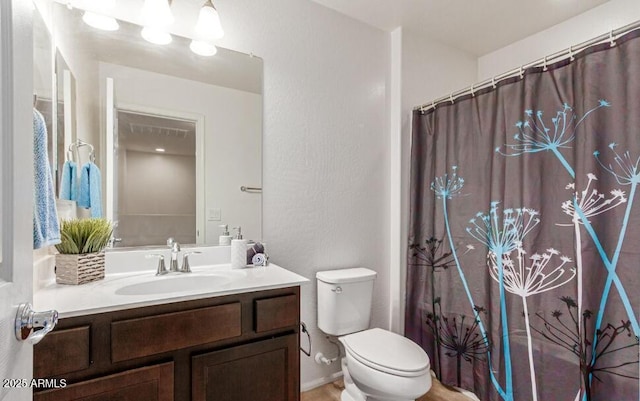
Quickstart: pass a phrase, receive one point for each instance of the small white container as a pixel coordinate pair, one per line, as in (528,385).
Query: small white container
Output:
(225,238)
(239,250)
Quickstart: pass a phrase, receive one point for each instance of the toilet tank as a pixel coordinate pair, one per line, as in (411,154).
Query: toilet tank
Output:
(344,300)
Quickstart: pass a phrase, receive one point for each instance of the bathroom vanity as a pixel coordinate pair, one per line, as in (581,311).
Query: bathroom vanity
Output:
(238,340)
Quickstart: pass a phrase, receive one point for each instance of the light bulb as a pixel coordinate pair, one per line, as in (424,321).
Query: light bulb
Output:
(156,36)
(203,48)
(157,13)
(100,21)
(208,25)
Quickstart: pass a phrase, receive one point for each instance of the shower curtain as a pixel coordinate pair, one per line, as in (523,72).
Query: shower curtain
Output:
(523,278)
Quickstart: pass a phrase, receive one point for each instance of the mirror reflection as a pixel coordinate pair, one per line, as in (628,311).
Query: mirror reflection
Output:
(151,151)
(43,96)
(175,135)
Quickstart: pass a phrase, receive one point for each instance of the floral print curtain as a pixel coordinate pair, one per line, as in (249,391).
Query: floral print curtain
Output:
(523,277)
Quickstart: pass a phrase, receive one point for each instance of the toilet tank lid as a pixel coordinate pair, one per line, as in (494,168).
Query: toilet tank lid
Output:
(346,275)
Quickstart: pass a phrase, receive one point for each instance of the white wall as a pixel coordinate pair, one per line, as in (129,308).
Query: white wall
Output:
(232,123)
(597,21)
(326,157)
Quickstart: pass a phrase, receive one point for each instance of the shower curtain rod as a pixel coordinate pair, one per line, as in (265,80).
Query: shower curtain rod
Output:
(610,37)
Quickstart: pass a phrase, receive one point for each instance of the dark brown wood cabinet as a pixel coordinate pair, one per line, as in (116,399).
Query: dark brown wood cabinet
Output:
(152,383)
(229,348)
(259,371)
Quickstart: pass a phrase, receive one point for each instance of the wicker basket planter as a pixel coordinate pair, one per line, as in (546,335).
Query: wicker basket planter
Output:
(79,269)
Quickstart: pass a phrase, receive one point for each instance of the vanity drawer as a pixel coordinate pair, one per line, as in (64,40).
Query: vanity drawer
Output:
(276,313)
(152,383)
(135,338)
(62,351)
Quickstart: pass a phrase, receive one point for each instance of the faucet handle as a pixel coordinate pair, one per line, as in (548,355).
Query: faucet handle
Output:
(162,269)
(186,268)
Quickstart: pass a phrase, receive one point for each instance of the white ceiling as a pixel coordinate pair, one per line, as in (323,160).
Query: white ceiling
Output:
(475,26)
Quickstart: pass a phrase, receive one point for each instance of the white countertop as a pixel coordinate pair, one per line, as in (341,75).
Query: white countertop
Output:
(120,291)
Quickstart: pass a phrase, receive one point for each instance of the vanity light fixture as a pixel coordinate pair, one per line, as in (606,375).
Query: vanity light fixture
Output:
(156,35)
(207,29)
(156,17)
(208,26)
(96,19)
(203,48)
(100,21)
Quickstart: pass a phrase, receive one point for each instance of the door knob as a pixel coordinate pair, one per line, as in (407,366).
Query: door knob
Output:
(32,326)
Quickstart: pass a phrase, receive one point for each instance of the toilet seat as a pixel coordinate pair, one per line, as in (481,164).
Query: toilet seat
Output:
(387,352)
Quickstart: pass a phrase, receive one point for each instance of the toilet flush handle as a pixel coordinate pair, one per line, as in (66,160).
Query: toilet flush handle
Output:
(337,290)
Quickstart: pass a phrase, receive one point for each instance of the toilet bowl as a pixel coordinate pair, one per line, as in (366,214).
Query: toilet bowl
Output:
(378,365)
(384,366)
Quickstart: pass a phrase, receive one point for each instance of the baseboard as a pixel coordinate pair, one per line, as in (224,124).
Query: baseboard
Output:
(320,382)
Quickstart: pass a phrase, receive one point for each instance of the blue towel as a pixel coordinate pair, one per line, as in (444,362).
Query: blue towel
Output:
(69,181)
(90,194)
(46,229)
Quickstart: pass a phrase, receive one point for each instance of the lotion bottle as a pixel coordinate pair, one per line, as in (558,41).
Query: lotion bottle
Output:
(225,238)
(238,250)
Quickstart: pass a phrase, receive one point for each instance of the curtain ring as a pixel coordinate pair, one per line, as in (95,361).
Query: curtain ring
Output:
(451,97)
(422,109)
(571,58)
(472,92)
(521,72)
(493,82)
(433,104)
(544,64)
(612,42)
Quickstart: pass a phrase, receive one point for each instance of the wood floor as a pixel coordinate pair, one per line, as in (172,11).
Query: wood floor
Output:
(331,392)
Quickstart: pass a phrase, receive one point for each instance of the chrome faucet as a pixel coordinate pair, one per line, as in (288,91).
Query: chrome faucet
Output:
(175,249)
(173,263)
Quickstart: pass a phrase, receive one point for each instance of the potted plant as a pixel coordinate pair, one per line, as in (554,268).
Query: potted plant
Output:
(81,257)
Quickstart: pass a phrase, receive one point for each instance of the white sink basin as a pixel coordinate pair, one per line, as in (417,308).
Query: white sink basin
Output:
(183,282)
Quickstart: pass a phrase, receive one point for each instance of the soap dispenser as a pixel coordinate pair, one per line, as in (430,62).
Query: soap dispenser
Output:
(238,250)
(225,238)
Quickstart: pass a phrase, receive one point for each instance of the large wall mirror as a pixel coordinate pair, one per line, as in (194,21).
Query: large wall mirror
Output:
(177,137)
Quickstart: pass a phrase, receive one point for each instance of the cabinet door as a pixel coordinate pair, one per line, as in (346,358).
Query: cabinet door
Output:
(152,383)
(267,370)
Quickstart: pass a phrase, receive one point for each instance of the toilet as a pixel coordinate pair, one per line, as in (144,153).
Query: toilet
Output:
(378,365)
